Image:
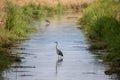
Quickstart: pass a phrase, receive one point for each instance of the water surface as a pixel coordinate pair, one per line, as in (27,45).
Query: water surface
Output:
(40,60)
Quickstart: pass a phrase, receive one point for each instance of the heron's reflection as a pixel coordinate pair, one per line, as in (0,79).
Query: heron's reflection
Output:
(58,64)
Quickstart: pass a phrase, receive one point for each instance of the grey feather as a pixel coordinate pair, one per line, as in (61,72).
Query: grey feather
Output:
(59,52)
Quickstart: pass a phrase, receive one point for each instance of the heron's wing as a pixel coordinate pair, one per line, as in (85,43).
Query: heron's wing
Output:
(60,52)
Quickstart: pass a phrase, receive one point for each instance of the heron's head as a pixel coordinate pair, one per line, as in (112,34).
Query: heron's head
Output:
(56,42)
(47,20)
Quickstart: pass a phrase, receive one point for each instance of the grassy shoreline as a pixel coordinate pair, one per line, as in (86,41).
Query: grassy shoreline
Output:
(18,21)
(17,17)
(18,24)
(101,23)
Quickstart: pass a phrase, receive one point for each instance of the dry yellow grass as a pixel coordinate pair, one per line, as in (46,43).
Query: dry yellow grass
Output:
(2,12)
(50,2)
(66,3)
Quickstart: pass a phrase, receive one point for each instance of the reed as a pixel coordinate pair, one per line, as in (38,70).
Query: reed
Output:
(101,23)
(51,2)
(18,24)
(102,27)
(17,14)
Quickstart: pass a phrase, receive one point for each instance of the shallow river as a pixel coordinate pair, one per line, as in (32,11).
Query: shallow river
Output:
(40,61)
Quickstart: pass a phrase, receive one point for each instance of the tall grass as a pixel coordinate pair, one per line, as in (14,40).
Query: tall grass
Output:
(18,24)
(100,23)
(19,16)
(66,3)
(32,11)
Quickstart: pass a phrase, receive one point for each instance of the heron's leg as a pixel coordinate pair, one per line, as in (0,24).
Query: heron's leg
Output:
(60,57)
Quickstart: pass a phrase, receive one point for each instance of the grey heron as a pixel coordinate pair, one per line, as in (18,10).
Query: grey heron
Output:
(47,22)
(59,52)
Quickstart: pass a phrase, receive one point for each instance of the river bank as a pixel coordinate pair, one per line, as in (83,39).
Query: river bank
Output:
(17,28)
(101,23)
(76,5)
(40,59)
(16,20)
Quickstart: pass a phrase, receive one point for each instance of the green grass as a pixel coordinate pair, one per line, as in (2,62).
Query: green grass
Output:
(100,23)
(4,61)
(6,58)
(18,17)
(19,21)
(39,11)
(110,56)
(102,26)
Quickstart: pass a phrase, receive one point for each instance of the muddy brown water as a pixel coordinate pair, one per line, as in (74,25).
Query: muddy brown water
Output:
(40,60)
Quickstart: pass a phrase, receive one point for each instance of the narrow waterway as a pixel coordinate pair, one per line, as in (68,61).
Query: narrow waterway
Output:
(40,61)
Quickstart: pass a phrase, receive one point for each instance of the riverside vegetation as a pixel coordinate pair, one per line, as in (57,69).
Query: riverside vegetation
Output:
(101,23)
(18,24)
(18,20)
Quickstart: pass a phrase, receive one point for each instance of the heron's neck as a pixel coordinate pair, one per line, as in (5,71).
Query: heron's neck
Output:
(56,46)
